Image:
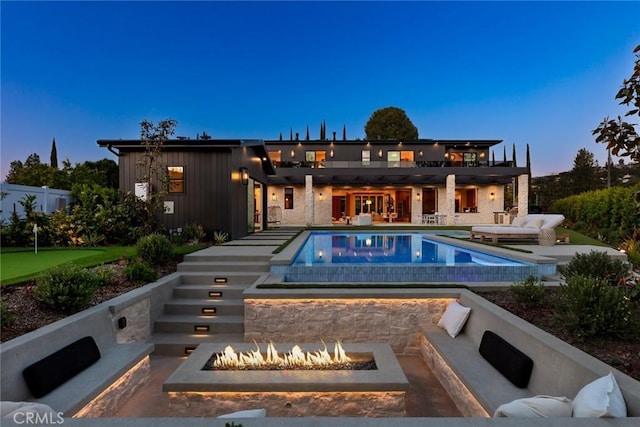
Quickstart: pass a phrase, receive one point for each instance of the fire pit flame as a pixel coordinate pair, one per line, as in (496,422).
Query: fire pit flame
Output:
(295,358)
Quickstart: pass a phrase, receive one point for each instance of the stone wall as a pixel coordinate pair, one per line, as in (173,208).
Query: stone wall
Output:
(138,317)
(311,404)
(394,321)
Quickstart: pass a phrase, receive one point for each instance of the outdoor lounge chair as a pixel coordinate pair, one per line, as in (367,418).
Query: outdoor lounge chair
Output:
(534,226)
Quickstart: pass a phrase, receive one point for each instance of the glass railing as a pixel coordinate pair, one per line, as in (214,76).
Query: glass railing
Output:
(356,164)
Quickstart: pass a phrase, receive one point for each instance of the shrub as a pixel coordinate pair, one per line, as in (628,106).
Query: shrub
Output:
(140,272)
(105,275)
(590,308)
(529,292)
(6,316)
(598,265)
(67,288)
(193,233)
(219,237)
(155,249)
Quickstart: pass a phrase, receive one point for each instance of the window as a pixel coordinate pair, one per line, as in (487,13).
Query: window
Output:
(393,158)
(470,159)
(276,157)
(406,156)
(366,157)
(176,179)
(288,198)
(466,200)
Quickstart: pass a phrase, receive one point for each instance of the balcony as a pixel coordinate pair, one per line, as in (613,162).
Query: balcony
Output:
(358,164)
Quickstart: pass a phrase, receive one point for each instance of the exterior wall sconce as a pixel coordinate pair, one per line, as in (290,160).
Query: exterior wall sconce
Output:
(331,154)
(482,155)
(244,176)
(420,153)
(492,196)
(293,154)
(320,197)
(274,197)
(379,153)
(418,196)
(446,155)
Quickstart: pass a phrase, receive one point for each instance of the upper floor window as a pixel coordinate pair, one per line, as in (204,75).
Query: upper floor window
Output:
(315,159)
(366,157)
(176,179)
(276,157)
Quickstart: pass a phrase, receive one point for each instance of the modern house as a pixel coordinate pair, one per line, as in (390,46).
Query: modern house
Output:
(230,185)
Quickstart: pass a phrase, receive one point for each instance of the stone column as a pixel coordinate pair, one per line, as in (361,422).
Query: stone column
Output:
(451,199)
(523,195)
(308,209)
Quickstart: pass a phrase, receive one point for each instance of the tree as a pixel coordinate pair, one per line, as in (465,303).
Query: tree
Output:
(584,175)
(622,137)
(390,123)
(151,169)
(32,172)
(54,155)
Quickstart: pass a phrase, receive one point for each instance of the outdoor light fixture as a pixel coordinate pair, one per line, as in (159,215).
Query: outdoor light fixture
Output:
(293,154)
(420,153)
(274,197)
(320,197)
(418,197)
(244,176)
(331,154)
(492,196)
(379,153)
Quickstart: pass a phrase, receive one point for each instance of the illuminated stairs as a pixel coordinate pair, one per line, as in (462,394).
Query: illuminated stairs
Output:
(207,304)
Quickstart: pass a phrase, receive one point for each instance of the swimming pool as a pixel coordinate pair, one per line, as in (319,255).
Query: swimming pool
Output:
(399,257)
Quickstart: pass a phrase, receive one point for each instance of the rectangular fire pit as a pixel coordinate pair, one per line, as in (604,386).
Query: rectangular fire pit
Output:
(372,393)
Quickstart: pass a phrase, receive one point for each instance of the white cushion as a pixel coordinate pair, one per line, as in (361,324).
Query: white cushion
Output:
(249,413)
(534,223)
(600,398)
(537,406)
(19,410)
(454,318)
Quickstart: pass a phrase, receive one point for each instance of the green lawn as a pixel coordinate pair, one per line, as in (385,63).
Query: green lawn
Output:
(21,264)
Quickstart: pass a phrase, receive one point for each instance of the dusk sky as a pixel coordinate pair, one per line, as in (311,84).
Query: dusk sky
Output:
(542,73)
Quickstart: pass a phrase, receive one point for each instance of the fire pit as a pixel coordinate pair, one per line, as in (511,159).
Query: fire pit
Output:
(197,391)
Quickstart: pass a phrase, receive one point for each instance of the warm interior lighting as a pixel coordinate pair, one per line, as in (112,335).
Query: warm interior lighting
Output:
(295,358)
(220,280)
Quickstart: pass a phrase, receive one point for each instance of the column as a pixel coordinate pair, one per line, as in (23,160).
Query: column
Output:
(451,199)
(308,211)
(523,195)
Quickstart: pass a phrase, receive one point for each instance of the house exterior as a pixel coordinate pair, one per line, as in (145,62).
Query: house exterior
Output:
(324,182)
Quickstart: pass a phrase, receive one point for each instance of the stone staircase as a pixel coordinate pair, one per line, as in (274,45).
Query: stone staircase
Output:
(208,304)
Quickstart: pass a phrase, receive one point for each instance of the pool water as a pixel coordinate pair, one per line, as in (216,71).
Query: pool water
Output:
(415,257)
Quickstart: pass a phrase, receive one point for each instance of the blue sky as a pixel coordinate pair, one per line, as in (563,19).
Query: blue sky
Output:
(543,73)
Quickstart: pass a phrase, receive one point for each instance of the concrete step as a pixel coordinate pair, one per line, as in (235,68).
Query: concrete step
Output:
(209,292)
(203,257)
(168,344)
(246,266)
(219,277)
(199,325)
(205,307)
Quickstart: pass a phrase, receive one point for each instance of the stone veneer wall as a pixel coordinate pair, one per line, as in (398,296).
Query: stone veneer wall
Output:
(311,404)
(110,401)
(394,321)
(138,322)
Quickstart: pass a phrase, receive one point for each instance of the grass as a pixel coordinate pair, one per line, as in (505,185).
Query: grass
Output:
(19,265)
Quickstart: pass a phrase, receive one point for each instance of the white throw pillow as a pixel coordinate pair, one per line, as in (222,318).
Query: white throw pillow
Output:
(600,398)
(534,223)
(249,413)
(517,222)
(454,318)
(537,406)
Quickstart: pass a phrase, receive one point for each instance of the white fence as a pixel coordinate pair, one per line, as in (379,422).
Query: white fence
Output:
(48,200)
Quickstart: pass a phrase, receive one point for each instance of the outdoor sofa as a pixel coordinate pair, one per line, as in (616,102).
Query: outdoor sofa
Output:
(533,226)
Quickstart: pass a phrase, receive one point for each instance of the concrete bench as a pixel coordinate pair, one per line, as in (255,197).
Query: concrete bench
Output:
(559,369)
(89,392)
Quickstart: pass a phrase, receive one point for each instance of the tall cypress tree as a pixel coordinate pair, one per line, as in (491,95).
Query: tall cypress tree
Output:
(290,134)
(505,154)
(280,136)
(54,155)
(307,136)
(513,155)
(344,132)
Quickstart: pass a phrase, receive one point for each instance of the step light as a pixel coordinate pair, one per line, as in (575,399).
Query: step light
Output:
(215,294)
(201,328)
(208,310)
(220,280)
(189,350)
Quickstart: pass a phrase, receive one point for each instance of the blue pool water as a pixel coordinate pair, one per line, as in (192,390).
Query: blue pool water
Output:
(397,257)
